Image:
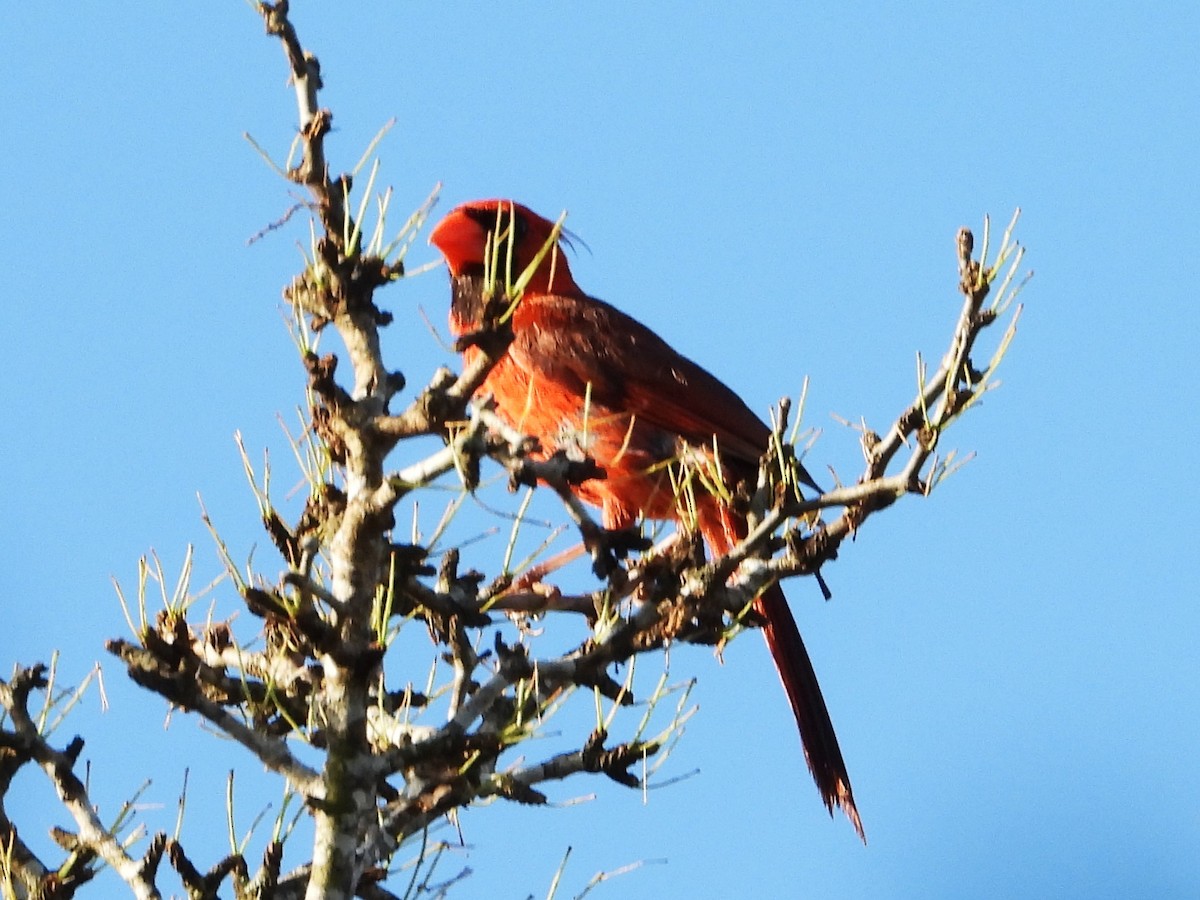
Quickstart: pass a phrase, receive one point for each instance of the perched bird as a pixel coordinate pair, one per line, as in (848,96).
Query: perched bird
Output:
(580,370)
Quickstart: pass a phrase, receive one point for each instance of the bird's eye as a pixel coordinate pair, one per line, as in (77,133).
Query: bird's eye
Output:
(496,221)
(484,218)
(501,223)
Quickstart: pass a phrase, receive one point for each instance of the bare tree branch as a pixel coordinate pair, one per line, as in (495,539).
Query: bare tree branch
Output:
(394,760)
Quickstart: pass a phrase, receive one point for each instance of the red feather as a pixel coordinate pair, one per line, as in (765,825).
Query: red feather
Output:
(579,368)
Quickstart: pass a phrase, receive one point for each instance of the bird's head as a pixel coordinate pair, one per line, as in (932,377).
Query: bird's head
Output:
(479,235)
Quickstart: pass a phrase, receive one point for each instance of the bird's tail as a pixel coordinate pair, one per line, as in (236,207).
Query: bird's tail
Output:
(817,736)
(821,750)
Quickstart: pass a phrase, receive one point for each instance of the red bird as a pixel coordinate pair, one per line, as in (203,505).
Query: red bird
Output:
(581,369)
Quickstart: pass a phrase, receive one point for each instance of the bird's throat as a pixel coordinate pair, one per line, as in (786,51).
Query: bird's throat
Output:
(467,302)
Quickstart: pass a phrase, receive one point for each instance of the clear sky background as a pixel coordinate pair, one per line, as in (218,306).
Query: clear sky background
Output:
(1011,664)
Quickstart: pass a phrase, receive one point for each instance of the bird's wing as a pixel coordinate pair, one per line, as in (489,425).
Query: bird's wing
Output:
(585,344)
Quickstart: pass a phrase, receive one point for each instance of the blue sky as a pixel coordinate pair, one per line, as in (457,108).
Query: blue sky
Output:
(1011,664)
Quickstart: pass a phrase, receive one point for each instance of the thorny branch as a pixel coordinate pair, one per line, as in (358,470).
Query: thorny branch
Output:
(329,621)
(22,873)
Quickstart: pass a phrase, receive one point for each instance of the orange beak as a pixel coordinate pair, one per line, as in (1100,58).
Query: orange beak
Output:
(460,239)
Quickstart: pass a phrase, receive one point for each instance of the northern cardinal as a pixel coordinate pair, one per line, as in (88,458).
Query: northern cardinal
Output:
(580,369)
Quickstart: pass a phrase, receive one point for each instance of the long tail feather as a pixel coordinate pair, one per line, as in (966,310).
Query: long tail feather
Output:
(817,736)
(722,528)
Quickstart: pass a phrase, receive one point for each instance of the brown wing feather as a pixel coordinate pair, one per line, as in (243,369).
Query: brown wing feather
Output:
(581,341)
